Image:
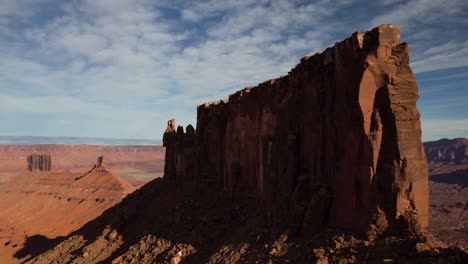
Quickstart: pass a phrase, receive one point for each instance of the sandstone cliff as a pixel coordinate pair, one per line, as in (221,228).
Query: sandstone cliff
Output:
(336,142)
(42,162)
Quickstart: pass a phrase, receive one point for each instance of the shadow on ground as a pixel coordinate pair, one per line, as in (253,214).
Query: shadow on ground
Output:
(459,177)
(162,220)
(35,245)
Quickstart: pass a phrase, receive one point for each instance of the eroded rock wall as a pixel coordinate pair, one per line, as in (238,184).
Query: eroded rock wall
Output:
(42,162)
(180,159)
(337,141)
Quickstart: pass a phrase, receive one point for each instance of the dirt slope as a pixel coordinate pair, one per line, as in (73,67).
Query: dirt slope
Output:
(38,206)
(166,223)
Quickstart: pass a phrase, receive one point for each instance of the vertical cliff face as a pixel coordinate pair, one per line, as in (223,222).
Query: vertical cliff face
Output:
(180,159)
(335,142)
(41,162)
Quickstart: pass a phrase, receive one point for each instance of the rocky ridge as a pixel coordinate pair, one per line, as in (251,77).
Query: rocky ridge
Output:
(447,150)
(447,155)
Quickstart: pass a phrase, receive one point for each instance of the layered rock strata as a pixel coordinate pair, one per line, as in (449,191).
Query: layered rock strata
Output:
(336,142)
(42,162)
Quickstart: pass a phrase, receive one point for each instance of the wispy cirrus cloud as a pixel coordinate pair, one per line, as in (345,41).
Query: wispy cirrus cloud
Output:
(448,55)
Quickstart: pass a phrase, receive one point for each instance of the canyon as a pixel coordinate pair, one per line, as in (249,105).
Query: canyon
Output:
(136,164)
(448,169)
(323,165)
(41,205)
(42,179)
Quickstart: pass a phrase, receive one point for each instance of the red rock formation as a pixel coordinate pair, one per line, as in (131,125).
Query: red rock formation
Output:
(100,161)
(137,164)
(99,167)
(335,142)
(53,204)
(40,162)
(170,142)
(450,151)
(180,162)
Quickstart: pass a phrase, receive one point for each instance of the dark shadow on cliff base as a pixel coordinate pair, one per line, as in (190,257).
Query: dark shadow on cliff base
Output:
(459,177)
(35,245)
(204,218)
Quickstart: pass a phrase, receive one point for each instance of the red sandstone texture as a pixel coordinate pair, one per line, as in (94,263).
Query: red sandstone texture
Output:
(336,142)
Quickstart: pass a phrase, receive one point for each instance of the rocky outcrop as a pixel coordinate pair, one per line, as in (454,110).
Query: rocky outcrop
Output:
(100,161)
(42,162)
(336,142)
(180,160)
(137,164)
(99,167)
(445,150)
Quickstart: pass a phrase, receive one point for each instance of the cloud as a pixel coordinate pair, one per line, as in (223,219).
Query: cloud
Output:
(452,54)
(434,29)
(410,12)
(21,8)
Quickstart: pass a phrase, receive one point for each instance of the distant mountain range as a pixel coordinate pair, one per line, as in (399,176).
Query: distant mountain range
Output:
(454,151)
(30,140)
(448,160)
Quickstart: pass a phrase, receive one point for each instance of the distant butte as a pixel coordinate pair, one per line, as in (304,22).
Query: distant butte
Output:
(41,162)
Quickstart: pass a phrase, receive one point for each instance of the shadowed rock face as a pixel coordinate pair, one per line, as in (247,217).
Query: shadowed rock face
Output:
(40,162)
(336,142)
(180,160)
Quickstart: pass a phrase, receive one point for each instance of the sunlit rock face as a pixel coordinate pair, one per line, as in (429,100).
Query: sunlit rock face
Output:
(336,142)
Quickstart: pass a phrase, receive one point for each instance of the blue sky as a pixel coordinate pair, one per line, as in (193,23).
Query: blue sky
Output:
(122,68)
